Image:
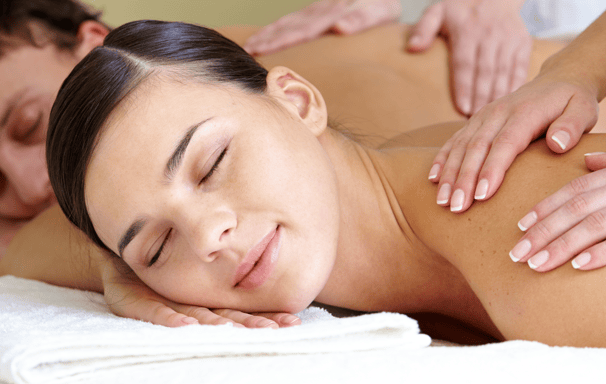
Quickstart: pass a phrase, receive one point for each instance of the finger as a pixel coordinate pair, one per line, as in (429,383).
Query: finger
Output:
(464,57)
(451,168)
(486,70)
(579,116)
(247,320)
(521,62)
(365,16)
(591,258)
(282,319)
(476,154)
(297,27)
(203,315)
(426,30)
(159,314)
(509,142)
(551,203)
(440,159)
(555,229)
(503,71)
(595,161)
(590,231)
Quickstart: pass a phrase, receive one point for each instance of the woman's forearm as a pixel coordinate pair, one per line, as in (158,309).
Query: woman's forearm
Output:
(583,59)
(50,249)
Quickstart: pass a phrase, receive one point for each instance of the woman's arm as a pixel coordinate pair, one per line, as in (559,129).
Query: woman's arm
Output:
(50,249)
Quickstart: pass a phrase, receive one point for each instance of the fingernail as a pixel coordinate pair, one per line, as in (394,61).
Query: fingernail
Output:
(415,40)
(520,250)
(562,138)
(581,260)
(444,194)
(481,190)
(266,323)
(465,106)
(289,320)
(189,321)
(458,198)
(595,154)
(539,259)
(527,221)
(433,173)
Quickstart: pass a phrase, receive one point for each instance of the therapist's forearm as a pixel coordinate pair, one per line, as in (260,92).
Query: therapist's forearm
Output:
(50,249)
(584,58)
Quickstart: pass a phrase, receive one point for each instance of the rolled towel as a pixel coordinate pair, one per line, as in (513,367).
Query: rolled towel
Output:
(51,334)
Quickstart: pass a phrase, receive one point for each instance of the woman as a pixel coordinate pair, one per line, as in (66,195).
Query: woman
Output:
(221,185)
(370,86)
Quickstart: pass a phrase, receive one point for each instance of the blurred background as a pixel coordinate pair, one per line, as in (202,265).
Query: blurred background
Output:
(212,13)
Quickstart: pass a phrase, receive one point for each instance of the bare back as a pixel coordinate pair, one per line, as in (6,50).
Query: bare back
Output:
(562,307)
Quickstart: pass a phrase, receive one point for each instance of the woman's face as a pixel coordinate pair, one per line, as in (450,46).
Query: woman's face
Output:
(215,197)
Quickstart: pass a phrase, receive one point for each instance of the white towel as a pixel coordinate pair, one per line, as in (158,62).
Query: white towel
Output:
(50,334)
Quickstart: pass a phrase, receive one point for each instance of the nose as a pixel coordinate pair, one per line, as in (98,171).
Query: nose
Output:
(25,171)
(210,231)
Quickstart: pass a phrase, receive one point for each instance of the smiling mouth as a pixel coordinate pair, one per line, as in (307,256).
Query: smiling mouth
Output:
(259,262)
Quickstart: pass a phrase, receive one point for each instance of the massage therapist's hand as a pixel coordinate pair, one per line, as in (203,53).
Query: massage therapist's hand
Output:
(338,16)
(570,223)
(489,47)
(127,296)
(472,164)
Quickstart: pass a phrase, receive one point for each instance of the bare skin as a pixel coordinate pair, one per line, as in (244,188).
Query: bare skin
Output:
(455,257)
(395,249)
(380,94)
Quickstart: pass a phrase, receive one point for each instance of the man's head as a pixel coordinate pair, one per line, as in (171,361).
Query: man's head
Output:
(40,42)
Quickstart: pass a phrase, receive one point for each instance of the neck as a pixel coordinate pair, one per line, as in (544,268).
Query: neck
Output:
(380,264)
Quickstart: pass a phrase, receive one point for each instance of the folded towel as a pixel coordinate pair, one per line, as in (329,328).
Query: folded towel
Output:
(50,334)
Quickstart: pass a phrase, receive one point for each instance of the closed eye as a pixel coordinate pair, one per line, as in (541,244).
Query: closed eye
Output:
(160,250)
(214,167)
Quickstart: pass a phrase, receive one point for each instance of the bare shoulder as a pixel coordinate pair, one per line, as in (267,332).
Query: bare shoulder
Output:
(521,302)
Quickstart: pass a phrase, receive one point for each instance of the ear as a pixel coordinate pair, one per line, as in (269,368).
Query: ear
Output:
(299,97)
(90,35)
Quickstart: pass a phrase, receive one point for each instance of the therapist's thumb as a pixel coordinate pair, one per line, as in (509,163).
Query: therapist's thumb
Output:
(579,117)
(425,31)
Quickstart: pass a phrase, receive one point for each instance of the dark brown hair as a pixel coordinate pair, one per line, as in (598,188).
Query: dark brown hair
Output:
(109,73)
(58,19)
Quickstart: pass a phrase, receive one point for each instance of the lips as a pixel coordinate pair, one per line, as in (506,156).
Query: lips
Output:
(259,262)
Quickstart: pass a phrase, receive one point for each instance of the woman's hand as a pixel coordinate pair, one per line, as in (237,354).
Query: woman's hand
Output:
(569,223)
(488,43)
(337,16)
(473,162)
(127,296)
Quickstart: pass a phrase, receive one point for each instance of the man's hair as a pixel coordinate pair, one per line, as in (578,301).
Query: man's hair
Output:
(39,22)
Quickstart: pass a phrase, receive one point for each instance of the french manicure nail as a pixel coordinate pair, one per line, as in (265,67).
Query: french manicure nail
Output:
(481,190)
(595,154)
(415,40)
(189,320)
(433,173)
(458,198)
(581,260)
(539,259)
(520,250)
(266,323)
(527,221)
(289,320)
(562,138)
(444,194)
(465,106)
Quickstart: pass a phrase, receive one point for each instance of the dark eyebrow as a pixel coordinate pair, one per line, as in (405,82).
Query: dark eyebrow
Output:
(175,159)
(171,168)
(130,233)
